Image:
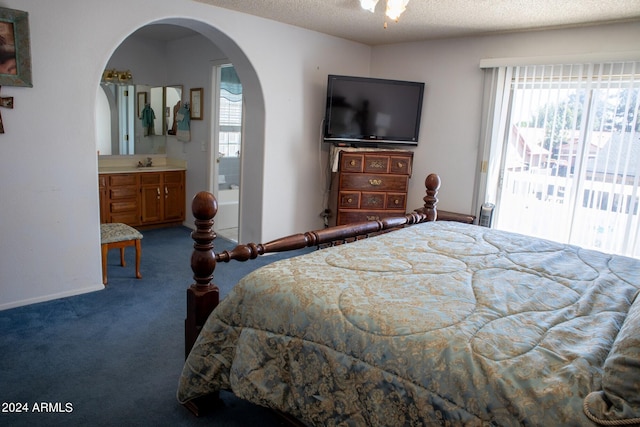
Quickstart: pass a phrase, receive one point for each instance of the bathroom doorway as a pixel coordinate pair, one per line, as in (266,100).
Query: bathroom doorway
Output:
(227,152)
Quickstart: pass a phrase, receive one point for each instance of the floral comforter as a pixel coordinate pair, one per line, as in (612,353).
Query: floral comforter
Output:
(438,323)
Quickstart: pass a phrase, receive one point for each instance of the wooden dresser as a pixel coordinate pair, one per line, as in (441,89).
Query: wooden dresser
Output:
(369,185)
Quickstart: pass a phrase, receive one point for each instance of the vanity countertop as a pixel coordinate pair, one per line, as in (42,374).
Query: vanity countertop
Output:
(135,169)
(129,164)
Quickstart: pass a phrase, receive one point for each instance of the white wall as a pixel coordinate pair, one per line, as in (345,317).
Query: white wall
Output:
(49,235)
(49,238)
(451,114)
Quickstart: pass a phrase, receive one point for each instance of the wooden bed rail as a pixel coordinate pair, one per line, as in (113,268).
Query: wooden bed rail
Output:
(203,296)
(338,234)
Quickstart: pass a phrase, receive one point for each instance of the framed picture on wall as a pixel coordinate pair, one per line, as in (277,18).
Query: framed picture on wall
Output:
(196,104)
(15,52)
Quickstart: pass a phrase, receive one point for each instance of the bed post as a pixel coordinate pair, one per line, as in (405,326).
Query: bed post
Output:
(432,185)
(202,296)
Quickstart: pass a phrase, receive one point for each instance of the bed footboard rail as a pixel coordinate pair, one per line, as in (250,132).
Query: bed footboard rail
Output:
(203,296)
(339,234)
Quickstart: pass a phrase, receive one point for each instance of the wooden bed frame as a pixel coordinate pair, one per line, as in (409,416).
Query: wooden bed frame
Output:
(203,296)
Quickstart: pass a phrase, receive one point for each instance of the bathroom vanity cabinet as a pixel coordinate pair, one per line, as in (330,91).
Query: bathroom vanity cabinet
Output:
(143,199)
(162,197)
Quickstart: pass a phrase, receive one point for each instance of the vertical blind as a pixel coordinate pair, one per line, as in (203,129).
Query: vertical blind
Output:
(563,153)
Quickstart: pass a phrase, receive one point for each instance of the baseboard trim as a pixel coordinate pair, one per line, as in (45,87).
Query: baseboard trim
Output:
(50,297)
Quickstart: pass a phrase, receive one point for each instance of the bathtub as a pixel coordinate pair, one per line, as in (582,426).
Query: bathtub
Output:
(228,202)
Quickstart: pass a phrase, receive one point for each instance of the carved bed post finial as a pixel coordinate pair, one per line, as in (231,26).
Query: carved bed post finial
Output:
(202,296)
(203,261)
(432,184)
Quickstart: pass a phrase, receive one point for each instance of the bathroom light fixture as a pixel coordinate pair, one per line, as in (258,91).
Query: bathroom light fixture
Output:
(394,7)
(115,76)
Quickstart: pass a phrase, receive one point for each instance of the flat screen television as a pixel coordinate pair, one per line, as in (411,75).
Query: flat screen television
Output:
(369,111)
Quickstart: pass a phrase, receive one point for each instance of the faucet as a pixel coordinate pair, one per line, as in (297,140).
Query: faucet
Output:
(147,163)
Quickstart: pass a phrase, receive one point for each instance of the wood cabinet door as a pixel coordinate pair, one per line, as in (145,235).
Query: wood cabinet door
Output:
(150,204)
(151,197)
(174,196)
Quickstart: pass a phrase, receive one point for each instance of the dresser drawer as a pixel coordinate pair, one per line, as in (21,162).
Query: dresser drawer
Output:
(400,165)
(116,193)
(126,206)
(174,177)
(349,199)
(351,162)
(374,182)
(130,218)
(351,216)
(376,164)
(396,201)
(119,179)
(148,179)
(373,200)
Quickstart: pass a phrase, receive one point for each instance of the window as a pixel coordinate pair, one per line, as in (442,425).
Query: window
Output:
(563,150)
(230,118)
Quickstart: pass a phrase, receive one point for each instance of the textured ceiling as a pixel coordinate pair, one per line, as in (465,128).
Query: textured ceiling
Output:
(430,19)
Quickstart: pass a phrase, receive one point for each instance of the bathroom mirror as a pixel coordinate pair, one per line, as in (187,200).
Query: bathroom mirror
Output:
(135,119)
(173,101)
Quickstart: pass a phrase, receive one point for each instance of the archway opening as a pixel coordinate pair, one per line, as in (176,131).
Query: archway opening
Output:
(252,170)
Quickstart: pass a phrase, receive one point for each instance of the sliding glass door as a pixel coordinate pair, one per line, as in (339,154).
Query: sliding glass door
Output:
(569,155)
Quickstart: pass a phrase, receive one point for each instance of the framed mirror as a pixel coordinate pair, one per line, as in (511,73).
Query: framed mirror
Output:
(173,101)
(135,119)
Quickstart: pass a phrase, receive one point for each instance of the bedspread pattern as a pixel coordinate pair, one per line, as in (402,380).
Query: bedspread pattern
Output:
(439,323)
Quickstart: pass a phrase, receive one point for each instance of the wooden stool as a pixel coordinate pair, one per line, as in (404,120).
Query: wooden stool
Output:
(117,235)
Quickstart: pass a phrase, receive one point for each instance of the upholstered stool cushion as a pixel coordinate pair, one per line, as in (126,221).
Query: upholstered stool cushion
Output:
(117,235)
(117,232)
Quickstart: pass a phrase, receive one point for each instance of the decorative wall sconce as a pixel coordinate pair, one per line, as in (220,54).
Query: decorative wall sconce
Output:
(118,77)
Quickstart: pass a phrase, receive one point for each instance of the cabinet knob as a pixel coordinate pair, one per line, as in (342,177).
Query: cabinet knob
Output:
(349,200)
(396,202)
(400,165)
(352,163)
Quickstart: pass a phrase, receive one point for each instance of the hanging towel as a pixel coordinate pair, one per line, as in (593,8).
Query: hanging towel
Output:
(183,119)
(147,117)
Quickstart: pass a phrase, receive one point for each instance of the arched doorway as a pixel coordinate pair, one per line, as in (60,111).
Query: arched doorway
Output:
(250,213)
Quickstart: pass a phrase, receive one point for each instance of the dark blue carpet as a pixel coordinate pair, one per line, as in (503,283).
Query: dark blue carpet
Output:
(113,357)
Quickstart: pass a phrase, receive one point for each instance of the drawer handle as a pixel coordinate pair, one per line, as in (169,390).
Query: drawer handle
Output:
(352,163)
(400,165)
(375,182)
(158,190)
(373,217)
(349,200)
(396,202)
